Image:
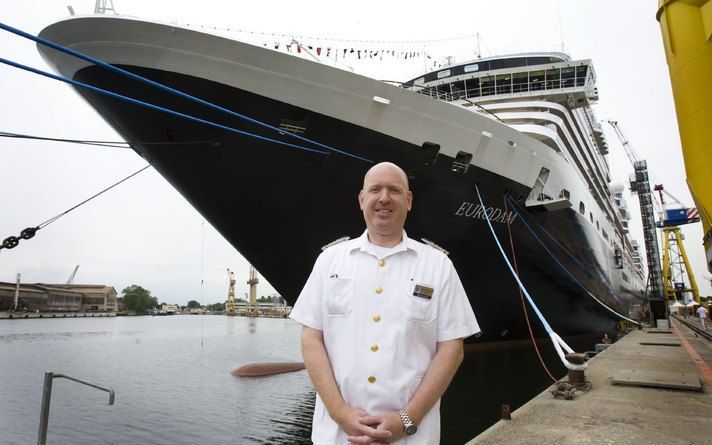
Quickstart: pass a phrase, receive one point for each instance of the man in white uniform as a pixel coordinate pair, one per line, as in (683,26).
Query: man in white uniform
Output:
(702,313)
(383,320)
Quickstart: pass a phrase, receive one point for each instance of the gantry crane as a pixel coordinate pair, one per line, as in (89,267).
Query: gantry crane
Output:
(230,309)
(253,289)
(675,262)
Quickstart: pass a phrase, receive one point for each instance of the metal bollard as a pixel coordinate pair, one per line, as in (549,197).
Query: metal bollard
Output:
(576,378)
(506,412)
(47,396)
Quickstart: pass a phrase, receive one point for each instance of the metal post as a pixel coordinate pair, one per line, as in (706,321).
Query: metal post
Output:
(44,414)
(47,396)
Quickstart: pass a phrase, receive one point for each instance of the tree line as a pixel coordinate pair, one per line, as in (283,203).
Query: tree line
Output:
(138,300)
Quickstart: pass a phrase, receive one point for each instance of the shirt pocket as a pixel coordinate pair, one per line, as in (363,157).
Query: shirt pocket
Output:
(338,296)
(417,309)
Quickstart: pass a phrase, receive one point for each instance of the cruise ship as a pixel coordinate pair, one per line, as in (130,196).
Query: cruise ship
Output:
(519,128)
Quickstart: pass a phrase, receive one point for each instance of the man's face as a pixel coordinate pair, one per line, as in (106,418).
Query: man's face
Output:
(385,199)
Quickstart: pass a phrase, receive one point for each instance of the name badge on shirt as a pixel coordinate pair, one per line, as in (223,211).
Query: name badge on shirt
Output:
(423,291)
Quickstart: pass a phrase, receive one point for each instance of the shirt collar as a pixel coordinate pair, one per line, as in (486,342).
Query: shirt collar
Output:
(364,245)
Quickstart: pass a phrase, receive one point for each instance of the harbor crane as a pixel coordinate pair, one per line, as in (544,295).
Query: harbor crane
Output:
(669,281)
(70,280)
(253,289)
(675,262)
(640,185)
(230,306)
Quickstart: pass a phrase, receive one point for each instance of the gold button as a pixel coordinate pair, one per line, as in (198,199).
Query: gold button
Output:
(379,290)
(371,379)
(381,263)
(374,348)
(376,318)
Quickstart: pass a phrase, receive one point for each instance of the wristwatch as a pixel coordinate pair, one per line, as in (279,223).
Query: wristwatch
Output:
(408,425)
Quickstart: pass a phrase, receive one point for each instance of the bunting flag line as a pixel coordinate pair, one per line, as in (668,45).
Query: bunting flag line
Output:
(325,39)
(353,53)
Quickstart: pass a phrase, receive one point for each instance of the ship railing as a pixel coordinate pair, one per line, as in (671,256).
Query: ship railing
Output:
(47,397)
(483,89)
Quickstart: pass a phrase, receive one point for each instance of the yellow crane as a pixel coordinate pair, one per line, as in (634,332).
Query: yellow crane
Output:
(675,262)
(686,27)
(253,309)
(230,309)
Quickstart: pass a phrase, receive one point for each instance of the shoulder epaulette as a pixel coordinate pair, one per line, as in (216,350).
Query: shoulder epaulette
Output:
(335,242)
(432,244)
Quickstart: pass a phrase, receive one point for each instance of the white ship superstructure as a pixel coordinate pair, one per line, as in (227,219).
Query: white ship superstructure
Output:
(548,96)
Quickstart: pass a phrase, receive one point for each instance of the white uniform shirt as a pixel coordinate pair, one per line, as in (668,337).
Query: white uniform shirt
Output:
(702,312)
(382,319)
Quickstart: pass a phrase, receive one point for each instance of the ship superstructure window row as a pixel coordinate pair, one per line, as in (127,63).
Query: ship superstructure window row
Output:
(490,84)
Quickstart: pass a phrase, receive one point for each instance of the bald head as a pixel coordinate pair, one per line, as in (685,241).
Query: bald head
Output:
(385,201)
(383,167)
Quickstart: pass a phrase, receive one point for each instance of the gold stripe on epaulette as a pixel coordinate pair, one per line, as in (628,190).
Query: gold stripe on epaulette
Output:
(430,243)
(335,242)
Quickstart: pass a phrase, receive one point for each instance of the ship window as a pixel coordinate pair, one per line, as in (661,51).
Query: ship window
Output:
(487,84)
(581,75)
(536,80)
(568,75)
(504,83)
(442,74)
(443,91)
(520,82)
(472,87)
(471,68)
(605,235)
(598,226)
(590,216)
(458,89)
(419,81)
(625,277)
(553,78)
(582,208)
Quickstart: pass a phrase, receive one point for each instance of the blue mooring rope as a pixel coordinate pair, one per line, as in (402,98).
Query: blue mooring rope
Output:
(514,206)
(152,106)
(168,89)
(570,255)
(545,247)
(547,327)
(521,218)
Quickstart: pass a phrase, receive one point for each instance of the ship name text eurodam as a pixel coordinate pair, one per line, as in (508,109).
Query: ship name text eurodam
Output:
(472,210)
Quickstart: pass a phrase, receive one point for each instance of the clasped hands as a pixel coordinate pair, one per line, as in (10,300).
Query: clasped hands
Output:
(364,429)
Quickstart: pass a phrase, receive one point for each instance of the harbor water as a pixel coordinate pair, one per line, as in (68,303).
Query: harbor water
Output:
(173,383)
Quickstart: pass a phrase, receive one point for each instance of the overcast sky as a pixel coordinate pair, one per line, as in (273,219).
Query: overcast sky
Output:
(144,232)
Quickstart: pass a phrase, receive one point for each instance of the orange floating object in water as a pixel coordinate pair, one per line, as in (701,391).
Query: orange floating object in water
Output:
(263,369)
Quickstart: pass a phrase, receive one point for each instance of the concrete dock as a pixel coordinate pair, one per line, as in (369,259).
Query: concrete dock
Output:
(618,410)
(21,315)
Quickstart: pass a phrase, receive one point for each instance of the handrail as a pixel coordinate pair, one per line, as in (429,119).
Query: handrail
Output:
(47,396)
(494,89)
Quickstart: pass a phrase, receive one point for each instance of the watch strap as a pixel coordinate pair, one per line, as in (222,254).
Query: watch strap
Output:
(408,425)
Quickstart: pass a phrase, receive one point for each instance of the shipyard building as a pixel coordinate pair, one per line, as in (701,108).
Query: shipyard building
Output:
(57,297)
